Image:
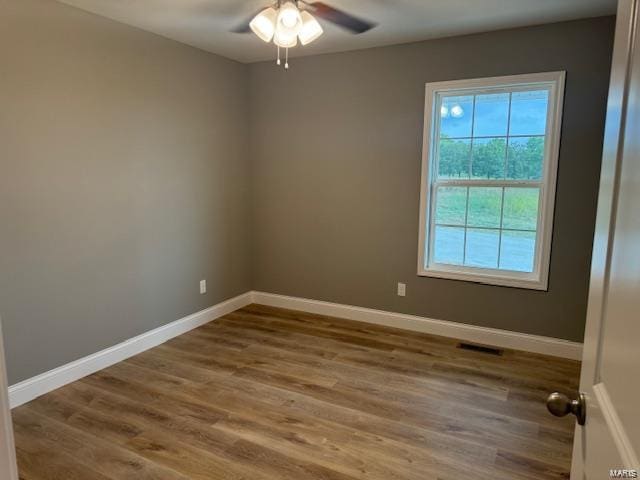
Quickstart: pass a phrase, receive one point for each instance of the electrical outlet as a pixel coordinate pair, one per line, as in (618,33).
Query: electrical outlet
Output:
(203,287)
(402,289)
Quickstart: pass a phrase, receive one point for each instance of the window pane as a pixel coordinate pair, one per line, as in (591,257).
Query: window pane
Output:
(529,112)
(454,158)
(449,245)
(491,115)
(517,250)
(520,208)
(482,248)
(485,205)
(456,114)
(488,157)
(524,161)
(451,205)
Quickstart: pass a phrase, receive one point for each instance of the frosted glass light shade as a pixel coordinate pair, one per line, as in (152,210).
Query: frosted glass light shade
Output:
(284,38)
(310,30)
(289,19)
(264,24)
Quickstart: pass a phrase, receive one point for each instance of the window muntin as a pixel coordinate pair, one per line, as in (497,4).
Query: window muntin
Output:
(489,179)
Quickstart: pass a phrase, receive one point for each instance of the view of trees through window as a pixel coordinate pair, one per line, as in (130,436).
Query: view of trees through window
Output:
(524,158)
(488,163)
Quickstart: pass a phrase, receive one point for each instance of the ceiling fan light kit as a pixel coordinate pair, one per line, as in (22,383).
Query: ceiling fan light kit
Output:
(310,30)
(285,38)
(263,24)
(289,18)
(286,22)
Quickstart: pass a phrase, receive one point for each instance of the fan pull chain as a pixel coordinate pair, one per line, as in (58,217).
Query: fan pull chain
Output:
(278,61)
(286,62)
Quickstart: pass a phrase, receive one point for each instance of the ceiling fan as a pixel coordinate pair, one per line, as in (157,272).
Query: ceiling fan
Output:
(286,21)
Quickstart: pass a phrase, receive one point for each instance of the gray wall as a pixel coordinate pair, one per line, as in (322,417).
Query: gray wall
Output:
(336,152)
(123,182)
(132,166)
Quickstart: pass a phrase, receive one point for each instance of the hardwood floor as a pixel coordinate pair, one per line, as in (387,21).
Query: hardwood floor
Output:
(266,394)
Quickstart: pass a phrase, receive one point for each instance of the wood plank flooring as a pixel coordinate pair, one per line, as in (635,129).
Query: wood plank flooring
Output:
(267,394)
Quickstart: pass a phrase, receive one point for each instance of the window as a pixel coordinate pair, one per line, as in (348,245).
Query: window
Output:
(488,179)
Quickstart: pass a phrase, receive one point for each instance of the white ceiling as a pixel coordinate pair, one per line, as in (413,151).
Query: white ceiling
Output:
(206,23)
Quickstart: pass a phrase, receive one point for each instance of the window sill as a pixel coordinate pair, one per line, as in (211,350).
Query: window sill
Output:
(529,281)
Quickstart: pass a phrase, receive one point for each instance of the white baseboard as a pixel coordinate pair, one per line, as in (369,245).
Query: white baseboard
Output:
(34,387)
(469,333)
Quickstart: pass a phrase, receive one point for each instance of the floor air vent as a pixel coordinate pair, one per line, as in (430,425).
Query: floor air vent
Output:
(480,348)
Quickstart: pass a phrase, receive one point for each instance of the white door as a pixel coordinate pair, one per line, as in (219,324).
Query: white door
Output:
(8,468)
(607,446)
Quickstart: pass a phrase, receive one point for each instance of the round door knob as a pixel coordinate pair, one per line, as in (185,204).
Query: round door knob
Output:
(560,405)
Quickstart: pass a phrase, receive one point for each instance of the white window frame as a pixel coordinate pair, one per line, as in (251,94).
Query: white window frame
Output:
(539,278)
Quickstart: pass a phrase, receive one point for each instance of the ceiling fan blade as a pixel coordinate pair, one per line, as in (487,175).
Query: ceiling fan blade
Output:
(244,26)
(341,18)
